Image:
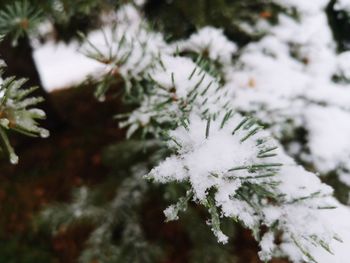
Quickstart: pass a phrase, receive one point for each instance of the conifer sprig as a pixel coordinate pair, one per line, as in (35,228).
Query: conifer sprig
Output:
(17,113)
(19,18)
(228,162)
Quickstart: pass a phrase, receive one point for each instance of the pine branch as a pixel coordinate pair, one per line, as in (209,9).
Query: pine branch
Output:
(230,164)
(19,18)
(17,113)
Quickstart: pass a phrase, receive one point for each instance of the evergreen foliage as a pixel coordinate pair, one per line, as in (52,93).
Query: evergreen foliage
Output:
(18,19)
(201,125)
(180,99)
(17,113)
(67,17)
(238,18)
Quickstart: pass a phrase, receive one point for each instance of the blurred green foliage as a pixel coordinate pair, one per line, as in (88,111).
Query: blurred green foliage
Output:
(67,16)
(18,251)
(179,19)
(340,24)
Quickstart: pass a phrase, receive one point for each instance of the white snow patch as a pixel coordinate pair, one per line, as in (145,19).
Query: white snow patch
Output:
(61,65)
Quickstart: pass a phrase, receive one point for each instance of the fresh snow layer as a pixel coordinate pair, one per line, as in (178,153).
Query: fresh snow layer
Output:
(205,160)
(275,87)
(340,220)
(325,124)
(343,5)
(62,65)
(287,80)
(213,41)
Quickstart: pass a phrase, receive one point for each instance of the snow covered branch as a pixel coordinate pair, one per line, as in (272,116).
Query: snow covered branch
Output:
(17,114)
(192,93)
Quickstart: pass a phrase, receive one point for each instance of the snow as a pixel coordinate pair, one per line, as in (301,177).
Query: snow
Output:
(342,5)
(305,7)
(212,160)
(288,75)
(61,65)
(177,73)
(197,163)
(276,87)
(267,245)
(339,220)
(325,124)
(176,82)
(285,79)
(212,40)
(206,157)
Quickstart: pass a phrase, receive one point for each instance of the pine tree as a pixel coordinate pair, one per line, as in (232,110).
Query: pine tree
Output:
(236,121)
(20,20)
